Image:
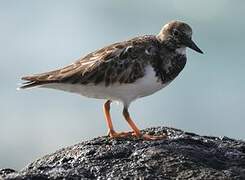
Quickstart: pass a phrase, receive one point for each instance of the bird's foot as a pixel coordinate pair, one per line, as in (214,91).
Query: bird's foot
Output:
(148,137)
(114,134)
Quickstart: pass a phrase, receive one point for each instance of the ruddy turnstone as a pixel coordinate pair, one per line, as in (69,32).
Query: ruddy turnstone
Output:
(124,71)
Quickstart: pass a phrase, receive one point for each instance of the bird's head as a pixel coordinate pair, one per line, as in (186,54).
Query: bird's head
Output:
(176,35)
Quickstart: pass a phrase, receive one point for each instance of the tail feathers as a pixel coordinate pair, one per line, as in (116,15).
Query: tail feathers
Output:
(32,81)
(30,84)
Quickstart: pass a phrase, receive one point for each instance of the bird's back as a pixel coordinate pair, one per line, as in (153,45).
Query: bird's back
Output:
(120,62)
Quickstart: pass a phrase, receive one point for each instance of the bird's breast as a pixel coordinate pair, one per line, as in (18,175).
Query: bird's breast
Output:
(169,67)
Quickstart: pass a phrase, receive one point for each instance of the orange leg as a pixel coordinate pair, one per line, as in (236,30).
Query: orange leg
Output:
(131,123)
(111,132)
(136,130)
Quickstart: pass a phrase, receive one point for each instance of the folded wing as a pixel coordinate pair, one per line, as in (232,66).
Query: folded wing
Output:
(119,62)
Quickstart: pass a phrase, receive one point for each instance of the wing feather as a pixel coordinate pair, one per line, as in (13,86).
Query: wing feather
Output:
(118,62)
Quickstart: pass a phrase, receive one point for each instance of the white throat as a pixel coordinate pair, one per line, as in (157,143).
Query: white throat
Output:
(181,50)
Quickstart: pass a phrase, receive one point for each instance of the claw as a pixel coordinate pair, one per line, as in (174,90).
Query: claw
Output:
(153,138)
(146,137)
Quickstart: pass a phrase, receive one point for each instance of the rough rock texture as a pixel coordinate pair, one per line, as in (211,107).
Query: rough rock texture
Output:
(182,156)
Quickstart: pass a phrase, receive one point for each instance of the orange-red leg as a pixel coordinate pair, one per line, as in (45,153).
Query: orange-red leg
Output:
(131,123)
(111,132)
(107,115)
(136,130)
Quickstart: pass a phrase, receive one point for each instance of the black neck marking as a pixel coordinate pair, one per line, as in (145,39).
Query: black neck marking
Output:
(168,64)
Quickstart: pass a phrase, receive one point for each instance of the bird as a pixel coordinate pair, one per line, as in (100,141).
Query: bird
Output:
(124,71)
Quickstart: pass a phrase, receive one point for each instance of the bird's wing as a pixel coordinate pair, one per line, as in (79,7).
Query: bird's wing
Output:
(120,62)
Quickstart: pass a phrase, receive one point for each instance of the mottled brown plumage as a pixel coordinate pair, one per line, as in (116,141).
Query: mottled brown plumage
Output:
(122,62)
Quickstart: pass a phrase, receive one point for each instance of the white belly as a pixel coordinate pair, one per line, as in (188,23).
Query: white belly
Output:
(124,93)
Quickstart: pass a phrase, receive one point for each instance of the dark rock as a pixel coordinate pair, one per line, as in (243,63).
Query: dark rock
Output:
(6,171)
(182,156)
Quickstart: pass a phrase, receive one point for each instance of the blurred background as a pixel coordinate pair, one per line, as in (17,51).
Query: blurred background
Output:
(36,36)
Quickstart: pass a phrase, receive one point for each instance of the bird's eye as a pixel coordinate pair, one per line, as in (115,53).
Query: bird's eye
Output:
(175,32)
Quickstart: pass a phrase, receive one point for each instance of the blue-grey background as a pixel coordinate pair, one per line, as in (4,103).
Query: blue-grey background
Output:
(36,36)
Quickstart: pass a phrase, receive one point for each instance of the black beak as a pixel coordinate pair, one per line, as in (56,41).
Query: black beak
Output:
(189,43)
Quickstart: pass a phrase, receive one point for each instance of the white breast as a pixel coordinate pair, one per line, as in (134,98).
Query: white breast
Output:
(181,51)
(124,93)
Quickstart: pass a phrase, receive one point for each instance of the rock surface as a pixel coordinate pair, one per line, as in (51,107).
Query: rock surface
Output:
(182,156)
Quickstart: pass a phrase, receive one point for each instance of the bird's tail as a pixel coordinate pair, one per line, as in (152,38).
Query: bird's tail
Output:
(32,81)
